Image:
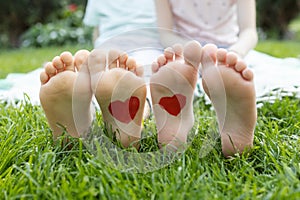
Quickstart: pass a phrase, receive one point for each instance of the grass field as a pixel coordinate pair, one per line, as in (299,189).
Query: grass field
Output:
(32,167)
(280,49)
(28,59)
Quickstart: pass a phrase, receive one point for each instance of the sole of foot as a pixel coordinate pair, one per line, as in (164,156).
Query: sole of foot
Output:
(57,94)
(121,93)
(172,87)
(229,84)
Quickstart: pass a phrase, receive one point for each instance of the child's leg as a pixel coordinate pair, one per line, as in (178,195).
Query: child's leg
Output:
(229,84)
(58,91)
(120,92)
(172,87)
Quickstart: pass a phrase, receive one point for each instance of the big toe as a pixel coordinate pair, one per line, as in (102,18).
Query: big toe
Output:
(209,55)
(67,59)
(192,53)
(80,58)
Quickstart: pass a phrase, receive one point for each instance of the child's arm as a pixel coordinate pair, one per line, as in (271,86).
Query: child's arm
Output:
(166,24)
(247,24)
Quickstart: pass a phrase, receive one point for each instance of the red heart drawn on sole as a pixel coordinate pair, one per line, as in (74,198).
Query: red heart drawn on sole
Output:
(124,111)
(173,105)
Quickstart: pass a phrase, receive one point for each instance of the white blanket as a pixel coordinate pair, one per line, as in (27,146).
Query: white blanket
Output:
(274,73)
(17,85)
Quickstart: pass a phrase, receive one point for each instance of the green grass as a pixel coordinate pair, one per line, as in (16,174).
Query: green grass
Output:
(32,167)
(286,48)
(27,59)
(280,49)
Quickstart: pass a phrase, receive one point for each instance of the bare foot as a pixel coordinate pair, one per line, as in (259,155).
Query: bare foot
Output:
(58,90)
(172,87)
(120,92)
(229,84)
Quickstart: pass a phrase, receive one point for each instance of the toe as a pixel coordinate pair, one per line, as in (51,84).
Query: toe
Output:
(221,56)
(192,53)
(240,66)
(161,60)
(44,78)
(96,65)
(68,61)
(247,74)
(50,70)
(209,54)
(96,61)
(131,64)
(58,64)
(122,60)
(154,67)
(178,50)
(80,57)
(113,57)
(169,54)
(231,59)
